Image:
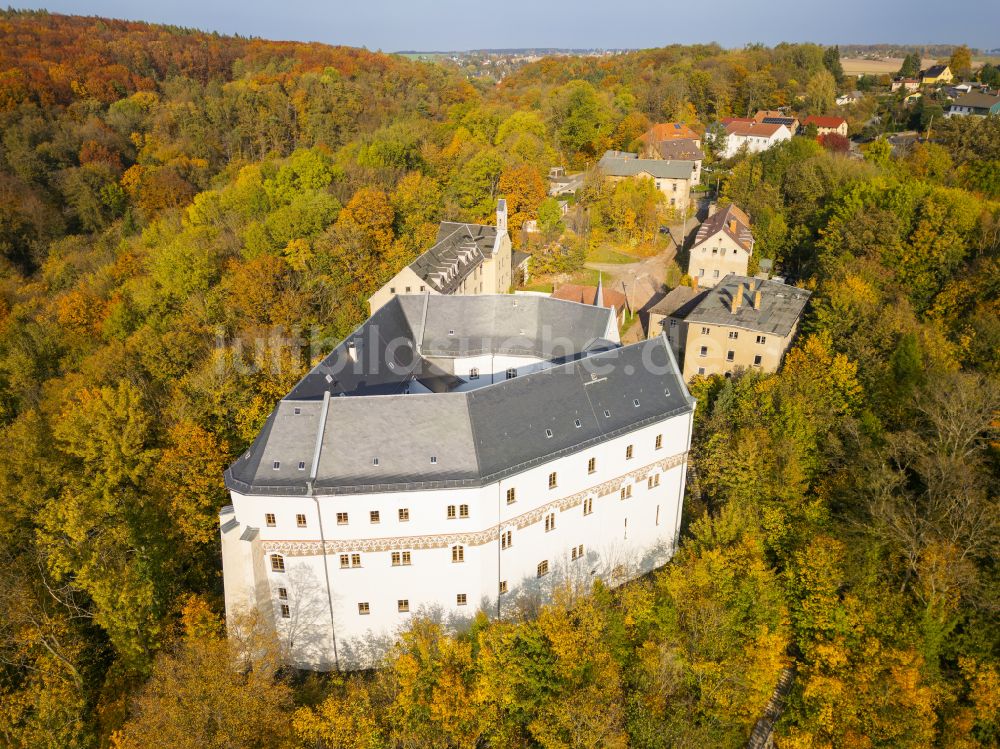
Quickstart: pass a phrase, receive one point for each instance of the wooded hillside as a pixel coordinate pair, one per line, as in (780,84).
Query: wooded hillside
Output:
(182,215)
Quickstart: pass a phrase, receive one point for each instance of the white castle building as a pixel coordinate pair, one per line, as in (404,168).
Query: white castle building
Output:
(455,454)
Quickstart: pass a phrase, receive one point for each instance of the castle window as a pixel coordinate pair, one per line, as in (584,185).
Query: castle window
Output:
(286,613)
(345,561)
(404,514)
(592,465)
(730,355)
(762,339)
(341,518)
(626,491)
(277,563)
(461,599)
(451,512)
(704,351)
(552,480)
(277,465)
(302,465)
(701,370)
(511,496)
(400,559)
(283,594)
(463,511)
(403,605)
(374,516)
(733,335)
(457,554)
(576,552)
(506,539)
(355,560)
(659,441)
(543,568)
(364,609)
(474,373)
(503,587)
(706,331)
(374,461)
(629,452)
(392,289)
(653,481)
(588,505)
(550,522)
(434,460)
(300,520)
(757,360)
(269,519)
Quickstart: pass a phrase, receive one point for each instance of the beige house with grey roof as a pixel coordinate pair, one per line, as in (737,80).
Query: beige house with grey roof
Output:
(465,259)
(723,245)
(742,323)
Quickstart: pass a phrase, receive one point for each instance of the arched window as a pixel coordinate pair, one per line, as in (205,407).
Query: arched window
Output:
(277,563)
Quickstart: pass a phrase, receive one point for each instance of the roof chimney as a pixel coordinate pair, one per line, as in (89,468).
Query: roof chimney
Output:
(756,299)
(737,298)
(694,282)
(732,225)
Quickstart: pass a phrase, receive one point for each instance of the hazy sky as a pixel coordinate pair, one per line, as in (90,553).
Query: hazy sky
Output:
(393,25)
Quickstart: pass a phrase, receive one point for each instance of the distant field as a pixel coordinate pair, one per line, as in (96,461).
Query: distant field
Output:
(887,66)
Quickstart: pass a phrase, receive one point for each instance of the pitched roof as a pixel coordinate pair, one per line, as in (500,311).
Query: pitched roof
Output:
(934,71)
(625,164)
(675,301)
(458,251)
(781,305)
(665,131)
(820,121)
(572,292)
(751,128)
(722,220)
(682,148)
(476,436)
(977,100)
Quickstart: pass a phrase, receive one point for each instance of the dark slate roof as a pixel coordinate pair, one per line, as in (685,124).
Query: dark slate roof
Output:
(780,309)
(406,338)
(684,149)
(476,436)
(518,258)
(722,220)
(458,251)
(934,71)
(677,301)
(625,164)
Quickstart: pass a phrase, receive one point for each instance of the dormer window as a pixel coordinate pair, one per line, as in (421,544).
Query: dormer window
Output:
(577,423)
(635,402)
(607,414)
(548,433)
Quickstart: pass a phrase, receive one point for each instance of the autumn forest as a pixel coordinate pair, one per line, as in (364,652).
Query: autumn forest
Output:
(186,219)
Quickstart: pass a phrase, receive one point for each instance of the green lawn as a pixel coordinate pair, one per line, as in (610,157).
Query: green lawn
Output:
(546,287)
(604,254)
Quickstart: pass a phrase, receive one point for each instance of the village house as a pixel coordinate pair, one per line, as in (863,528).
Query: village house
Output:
(722,246)
(826,125)
(465,259)
(775,117)
(667,131)
(673,178)
(976,104)
(907,84)
(936,74)
(742,323)
(754,136)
